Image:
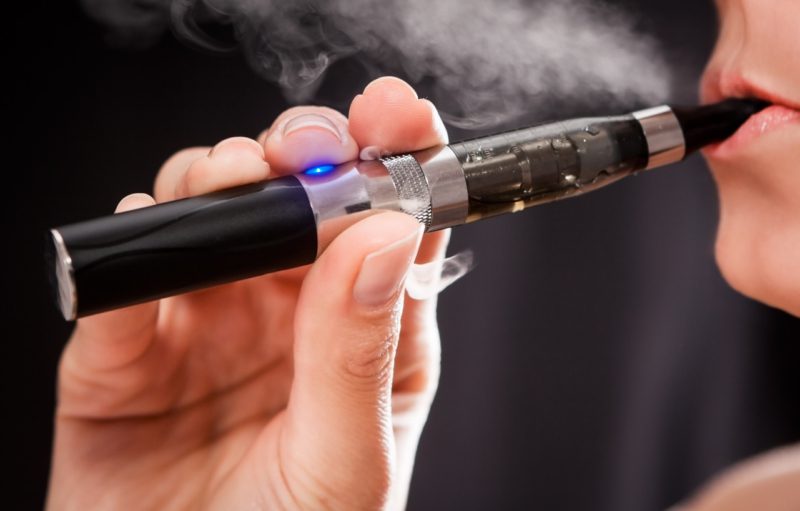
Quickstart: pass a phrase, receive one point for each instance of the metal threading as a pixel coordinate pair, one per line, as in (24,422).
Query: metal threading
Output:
(412,187)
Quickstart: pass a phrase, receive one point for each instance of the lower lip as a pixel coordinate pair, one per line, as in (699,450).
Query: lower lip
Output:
(767,120)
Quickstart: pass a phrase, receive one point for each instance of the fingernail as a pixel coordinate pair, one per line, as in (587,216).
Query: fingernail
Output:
(304,121)
(383,271)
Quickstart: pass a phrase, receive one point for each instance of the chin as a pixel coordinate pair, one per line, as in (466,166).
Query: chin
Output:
(758,239)
(762,266)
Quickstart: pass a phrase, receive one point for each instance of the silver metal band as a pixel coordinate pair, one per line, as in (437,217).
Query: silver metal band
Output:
(346,195)
(67,294)
(428,185)
(447,186)
(665,141)
(431,186)
(413,193)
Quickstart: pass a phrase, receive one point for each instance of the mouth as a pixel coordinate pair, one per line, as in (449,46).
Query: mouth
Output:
(779,114)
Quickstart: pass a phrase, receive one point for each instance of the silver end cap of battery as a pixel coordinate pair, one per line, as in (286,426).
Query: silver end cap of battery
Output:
(65,278)
(665,141)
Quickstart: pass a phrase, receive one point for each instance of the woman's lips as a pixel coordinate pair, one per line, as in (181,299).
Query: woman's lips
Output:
(769,119)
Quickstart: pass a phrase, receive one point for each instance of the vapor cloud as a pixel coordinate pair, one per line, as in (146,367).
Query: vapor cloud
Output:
(482,62)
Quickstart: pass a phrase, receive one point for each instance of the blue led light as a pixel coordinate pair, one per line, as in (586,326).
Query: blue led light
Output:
(318,170)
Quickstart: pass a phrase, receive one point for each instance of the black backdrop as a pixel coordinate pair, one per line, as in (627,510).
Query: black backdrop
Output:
(593,360)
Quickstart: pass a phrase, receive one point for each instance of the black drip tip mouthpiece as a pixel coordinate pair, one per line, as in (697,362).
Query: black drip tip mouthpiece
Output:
(713,123)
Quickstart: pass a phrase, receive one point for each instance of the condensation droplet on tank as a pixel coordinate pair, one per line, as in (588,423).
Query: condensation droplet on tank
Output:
(474,156)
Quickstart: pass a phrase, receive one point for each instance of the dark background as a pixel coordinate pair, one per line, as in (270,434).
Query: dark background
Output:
(594,359)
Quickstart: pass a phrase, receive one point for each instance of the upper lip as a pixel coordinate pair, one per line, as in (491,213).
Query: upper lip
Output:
(721,85)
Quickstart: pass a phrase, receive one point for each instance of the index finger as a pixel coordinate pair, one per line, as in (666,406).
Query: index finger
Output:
(389,117)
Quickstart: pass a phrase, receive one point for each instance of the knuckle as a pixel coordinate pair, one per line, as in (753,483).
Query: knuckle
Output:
(185,153)
(173,167)
(182,158)
(371,359)
(196,178)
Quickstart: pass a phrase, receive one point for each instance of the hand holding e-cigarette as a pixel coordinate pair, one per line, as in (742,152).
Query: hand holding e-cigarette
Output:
(289,389)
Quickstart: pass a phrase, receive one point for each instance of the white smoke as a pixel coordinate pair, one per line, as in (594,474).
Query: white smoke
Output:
(429,279)
(482,62)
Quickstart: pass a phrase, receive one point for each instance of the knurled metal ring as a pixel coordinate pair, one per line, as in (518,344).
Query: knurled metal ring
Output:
(412,187)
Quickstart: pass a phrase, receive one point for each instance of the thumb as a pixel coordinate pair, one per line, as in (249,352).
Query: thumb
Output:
(338,422)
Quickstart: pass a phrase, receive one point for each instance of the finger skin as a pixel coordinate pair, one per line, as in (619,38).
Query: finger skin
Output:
(234,161)
(415,125)
(389,115)
(114,339)
(336,439)
(344,354)
(111,339)
(172,171)
(355,406)
(419,352)
(305,136)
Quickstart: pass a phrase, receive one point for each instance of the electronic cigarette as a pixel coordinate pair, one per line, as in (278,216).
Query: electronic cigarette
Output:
(179,246)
